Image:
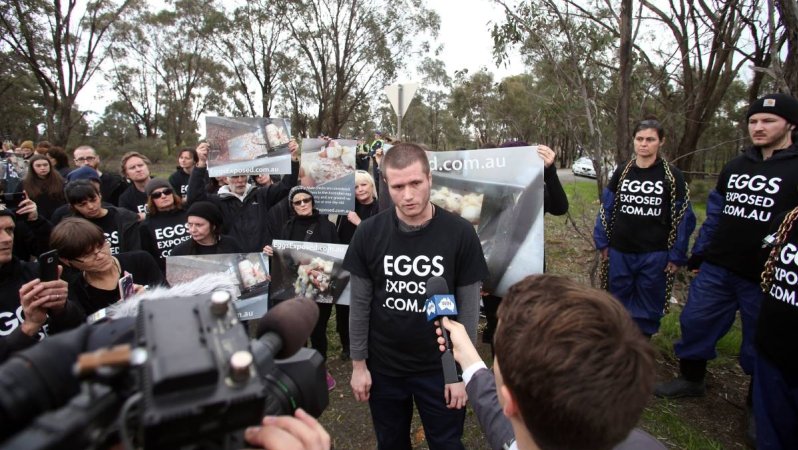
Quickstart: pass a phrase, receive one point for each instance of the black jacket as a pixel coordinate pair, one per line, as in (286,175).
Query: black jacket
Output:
(244,220)
(111,187)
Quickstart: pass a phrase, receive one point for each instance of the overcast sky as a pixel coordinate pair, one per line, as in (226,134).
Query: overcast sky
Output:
(464,33)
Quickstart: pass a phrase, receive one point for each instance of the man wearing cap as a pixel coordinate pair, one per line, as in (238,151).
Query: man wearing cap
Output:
(26,149)
(120,226)
(111,184)
(376,144)
(751,190)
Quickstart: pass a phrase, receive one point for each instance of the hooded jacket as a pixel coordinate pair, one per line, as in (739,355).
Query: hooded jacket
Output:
(245,217)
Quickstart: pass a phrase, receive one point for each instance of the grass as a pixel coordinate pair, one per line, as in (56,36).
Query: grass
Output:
(663,420)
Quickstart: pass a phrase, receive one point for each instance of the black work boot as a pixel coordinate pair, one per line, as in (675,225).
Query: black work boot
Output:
(689,384)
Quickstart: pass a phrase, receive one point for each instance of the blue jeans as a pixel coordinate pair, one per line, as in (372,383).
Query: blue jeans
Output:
(775,407)
(715,296)
(391,402)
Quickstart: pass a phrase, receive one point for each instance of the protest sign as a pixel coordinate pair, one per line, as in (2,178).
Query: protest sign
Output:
(309,269)
(247,146)
(328,170)
(500,192)
(249,272)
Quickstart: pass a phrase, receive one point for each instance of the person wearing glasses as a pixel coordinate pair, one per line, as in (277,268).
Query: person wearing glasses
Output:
(111,184)
(306,224)
(644,227)
(120,226)
(82,246)
(165,225)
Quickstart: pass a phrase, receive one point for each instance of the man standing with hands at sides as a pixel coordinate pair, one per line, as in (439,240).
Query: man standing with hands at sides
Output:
(395,360)
(751,191)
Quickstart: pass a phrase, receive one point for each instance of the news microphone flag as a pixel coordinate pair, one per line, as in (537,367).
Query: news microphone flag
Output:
(440,305)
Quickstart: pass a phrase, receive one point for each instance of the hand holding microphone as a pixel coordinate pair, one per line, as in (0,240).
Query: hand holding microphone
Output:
(463,350)
(442,304)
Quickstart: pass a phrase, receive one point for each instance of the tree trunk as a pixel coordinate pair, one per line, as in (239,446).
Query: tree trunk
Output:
(624,82)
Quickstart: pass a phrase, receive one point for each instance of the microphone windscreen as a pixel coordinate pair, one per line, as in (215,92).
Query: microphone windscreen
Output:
(293,320)
(437,286)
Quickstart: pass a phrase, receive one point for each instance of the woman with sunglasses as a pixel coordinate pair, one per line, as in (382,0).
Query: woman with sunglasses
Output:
(82,246)
(44,186)
(306,224)
(165,225)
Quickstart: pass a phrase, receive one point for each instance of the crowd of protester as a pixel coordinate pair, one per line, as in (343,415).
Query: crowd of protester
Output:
(106,226)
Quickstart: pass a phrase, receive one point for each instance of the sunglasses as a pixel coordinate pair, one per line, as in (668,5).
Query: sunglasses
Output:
(302,201)
(159,194)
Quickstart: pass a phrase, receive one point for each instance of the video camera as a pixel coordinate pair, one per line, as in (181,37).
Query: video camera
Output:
(192,376)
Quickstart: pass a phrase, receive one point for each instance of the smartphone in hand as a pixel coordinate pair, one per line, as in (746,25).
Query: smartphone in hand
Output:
(126,288)
(48,266)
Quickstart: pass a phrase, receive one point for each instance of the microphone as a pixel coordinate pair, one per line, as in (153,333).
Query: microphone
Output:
(439,304)
(287,326)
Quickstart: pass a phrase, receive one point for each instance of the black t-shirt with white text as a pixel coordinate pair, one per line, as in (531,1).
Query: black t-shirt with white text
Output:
(110,226)
(777,329)
(163,232)
(134,200)
(179,181)
(753,191)
(401,340)
(642,211)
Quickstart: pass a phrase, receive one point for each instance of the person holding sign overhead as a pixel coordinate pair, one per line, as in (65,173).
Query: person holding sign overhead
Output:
(244,205)
(395,360)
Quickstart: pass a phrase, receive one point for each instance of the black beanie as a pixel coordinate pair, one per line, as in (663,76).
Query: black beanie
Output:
(782,105)
(207,211)
(6,212)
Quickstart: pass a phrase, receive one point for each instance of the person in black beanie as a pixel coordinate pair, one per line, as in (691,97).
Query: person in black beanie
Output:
(751,190)
(204,224)
(306,224)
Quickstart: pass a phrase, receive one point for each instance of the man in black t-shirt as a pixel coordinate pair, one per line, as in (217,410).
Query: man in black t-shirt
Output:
(395,361)
(751,190)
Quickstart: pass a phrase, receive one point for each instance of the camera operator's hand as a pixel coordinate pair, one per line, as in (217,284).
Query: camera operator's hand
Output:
(361,380)
(463,350)
(37,298)
(300,432)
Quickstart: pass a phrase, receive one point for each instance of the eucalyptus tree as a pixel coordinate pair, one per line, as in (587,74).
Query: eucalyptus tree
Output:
(63,44)
(353,48)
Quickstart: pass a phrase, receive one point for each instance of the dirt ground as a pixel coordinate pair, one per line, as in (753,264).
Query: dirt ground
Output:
(719,416)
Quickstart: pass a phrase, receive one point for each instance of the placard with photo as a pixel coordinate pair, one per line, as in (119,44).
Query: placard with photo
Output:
(328,170)
(249,272)
(309,269)
(248,146)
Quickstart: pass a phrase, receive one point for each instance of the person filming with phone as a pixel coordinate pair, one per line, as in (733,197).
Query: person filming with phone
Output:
(30,307)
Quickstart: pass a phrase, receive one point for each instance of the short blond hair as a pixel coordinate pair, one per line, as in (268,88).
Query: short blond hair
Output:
(361,176)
